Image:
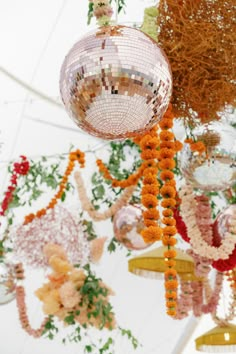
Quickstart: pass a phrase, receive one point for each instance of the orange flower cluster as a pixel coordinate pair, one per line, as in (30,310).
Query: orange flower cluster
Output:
(74,156)
(168,149)
(130,181)
(149,143)
(197,146)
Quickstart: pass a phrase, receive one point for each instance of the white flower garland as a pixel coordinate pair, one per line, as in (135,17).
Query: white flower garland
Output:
(188,209)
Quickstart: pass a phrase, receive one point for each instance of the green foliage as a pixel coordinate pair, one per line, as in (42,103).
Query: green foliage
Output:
(41,175)
(130,336)
(95,296)
(50,330)
(89,229)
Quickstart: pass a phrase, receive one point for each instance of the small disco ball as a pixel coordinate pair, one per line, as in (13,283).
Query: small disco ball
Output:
(7,283)
(225,223)
(116,82)
(127,225)
(216,169)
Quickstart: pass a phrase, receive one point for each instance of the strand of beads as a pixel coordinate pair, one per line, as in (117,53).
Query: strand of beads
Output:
(74,156)
(21,305)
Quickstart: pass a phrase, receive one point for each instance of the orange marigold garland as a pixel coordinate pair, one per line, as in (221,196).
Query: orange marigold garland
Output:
(150,188)
(168,149)
(74,156)
(130,181)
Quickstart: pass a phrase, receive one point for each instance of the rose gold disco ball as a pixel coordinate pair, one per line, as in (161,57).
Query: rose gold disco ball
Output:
(116,82)
(127,226)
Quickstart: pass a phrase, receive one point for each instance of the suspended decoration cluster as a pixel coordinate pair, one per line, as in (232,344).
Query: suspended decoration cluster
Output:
(118,83)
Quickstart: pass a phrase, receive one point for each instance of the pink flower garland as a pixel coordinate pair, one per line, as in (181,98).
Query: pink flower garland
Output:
(87,205)
(200,246)
(22,309)
(185,302)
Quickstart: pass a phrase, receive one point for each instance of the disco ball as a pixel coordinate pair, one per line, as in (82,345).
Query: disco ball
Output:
(222,225)
(216,170)
(116,82)
(7,283)
(127,225)
(59,226)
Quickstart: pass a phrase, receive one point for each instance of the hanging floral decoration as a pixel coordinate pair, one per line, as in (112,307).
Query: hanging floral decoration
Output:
(21,305)
(19,169)
(197,36)
(73,157)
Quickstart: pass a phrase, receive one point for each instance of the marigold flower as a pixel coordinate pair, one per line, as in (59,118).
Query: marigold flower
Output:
(149,163)
(151,214)
(166,164)
(149,154)
(149,142)
(171,312)
(168,203)
(170,254)
(150,188)
(165,153)
(171,304)
(168,191)
(178,145)
(166,175)
(151,234)
(171,183)
(149,201)
(166,123)
(166,136)
(167,212)
(168,241)
(150,179)
(167,144)
(170,263)
(188,141)
(198,146)
(171,295)
(170,273)
(150,222)
(169,221)
(171,284)
(151,170)
(169,230)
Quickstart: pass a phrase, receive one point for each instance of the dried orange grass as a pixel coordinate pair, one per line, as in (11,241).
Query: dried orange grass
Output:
(198,37)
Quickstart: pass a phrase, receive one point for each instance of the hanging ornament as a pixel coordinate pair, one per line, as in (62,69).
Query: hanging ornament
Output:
(219,339)
(57,226)
(128,224)
(225,223)
(7,283)
(116,82)
(214,169)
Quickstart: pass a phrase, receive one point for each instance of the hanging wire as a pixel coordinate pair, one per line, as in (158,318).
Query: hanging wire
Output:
(95,148)
(116,13)
(29,88)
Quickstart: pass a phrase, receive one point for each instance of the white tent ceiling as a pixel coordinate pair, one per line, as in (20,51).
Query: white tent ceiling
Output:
(34,38)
